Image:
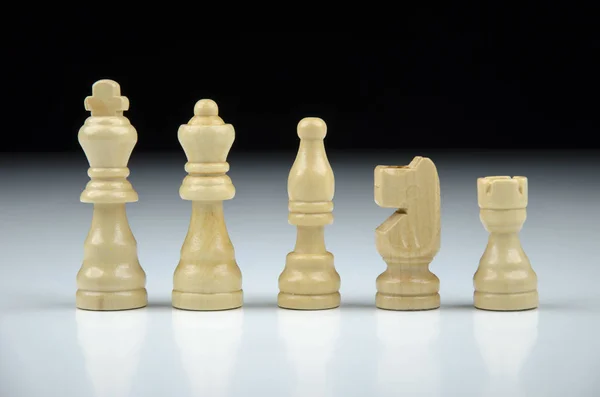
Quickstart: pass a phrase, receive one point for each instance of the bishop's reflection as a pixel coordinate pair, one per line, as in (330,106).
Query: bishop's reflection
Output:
(505,340)
(409,363)
(310,338)
(111,343)
(208,344)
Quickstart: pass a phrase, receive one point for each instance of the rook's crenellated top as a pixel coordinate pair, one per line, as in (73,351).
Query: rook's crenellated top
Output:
(502,192)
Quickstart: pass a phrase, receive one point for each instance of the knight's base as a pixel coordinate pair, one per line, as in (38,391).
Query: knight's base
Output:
(207,302)
(506,302)
(107,301)
(308,302)
(407,303)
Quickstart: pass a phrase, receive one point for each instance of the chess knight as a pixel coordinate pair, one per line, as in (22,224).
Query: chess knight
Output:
(410,238)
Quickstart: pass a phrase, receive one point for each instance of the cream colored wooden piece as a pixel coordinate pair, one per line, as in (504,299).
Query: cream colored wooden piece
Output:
(110,277)
(309,280)
(410,238)
(207,276)
(504,280)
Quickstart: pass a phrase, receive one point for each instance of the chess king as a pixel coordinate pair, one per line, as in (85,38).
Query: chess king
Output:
(110,277)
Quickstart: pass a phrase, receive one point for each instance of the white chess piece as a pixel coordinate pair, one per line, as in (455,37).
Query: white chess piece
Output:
(207,276)
(309,280)
(110,277)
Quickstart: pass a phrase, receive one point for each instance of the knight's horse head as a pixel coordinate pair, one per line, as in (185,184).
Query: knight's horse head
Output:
(413,190)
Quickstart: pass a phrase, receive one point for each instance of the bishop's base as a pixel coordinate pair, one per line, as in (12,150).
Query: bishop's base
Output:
(107,301)
(308,302)
(506,302)
(407,303)
(207,302)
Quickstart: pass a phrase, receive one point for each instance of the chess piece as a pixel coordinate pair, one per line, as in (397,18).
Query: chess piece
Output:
(110,277)
(504,279)
(207,276)
(309,280)
(410,238)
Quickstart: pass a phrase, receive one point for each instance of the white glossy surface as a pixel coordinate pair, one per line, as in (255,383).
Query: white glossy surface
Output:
(48,348)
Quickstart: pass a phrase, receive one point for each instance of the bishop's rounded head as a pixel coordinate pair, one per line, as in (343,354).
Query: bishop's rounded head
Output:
(312,128)
(206,107)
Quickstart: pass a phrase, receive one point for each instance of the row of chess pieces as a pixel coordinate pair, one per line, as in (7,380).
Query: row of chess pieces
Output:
(208,277)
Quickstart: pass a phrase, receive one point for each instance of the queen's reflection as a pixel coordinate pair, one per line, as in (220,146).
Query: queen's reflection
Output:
(208,344)
(409,362)
(310,338)
(111,343)
(505,340)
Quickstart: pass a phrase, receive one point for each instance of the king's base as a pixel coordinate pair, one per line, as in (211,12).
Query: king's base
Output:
(308,302)
(207,302)
(106,301)
(407,303)
(506,302)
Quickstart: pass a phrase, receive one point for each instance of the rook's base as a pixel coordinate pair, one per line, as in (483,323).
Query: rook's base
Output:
(106,301)
(308,302)
(196,301)
(506,302)
(407,303)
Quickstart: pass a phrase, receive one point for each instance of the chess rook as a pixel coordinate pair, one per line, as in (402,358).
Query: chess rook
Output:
(410,238)
(207,276)
(110,277)
(504,280)
(309,280)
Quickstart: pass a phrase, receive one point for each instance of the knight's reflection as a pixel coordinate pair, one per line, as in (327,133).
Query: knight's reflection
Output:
(208,344)
(505,340)
(111,343)
(409,362)
(310,338)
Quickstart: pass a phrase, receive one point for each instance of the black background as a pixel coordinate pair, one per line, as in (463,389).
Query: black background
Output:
(442,81)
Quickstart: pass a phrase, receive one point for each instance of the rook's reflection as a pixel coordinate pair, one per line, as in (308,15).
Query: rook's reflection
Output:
(505,340)
(111,343)
(310,338)
(408,363)
(208,344)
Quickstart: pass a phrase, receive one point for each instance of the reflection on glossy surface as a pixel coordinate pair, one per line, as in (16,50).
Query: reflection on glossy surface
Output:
(505,340)
(111,344)
(208,344)
(408,360)
(310,339)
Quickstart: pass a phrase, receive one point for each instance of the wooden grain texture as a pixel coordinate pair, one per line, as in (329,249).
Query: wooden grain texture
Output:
(410,238)
(309,280)
(111,277)
(207,276)
(504,280)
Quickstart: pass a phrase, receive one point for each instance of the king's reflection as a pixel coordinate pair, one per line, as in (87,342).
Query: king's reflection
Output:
(111,343)
(310,338)
(208,344)
(408,361)
(505,340)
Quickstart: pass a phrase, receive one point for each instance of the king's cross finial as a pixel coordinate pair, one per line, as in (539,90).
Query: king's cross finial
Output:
(106,99)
